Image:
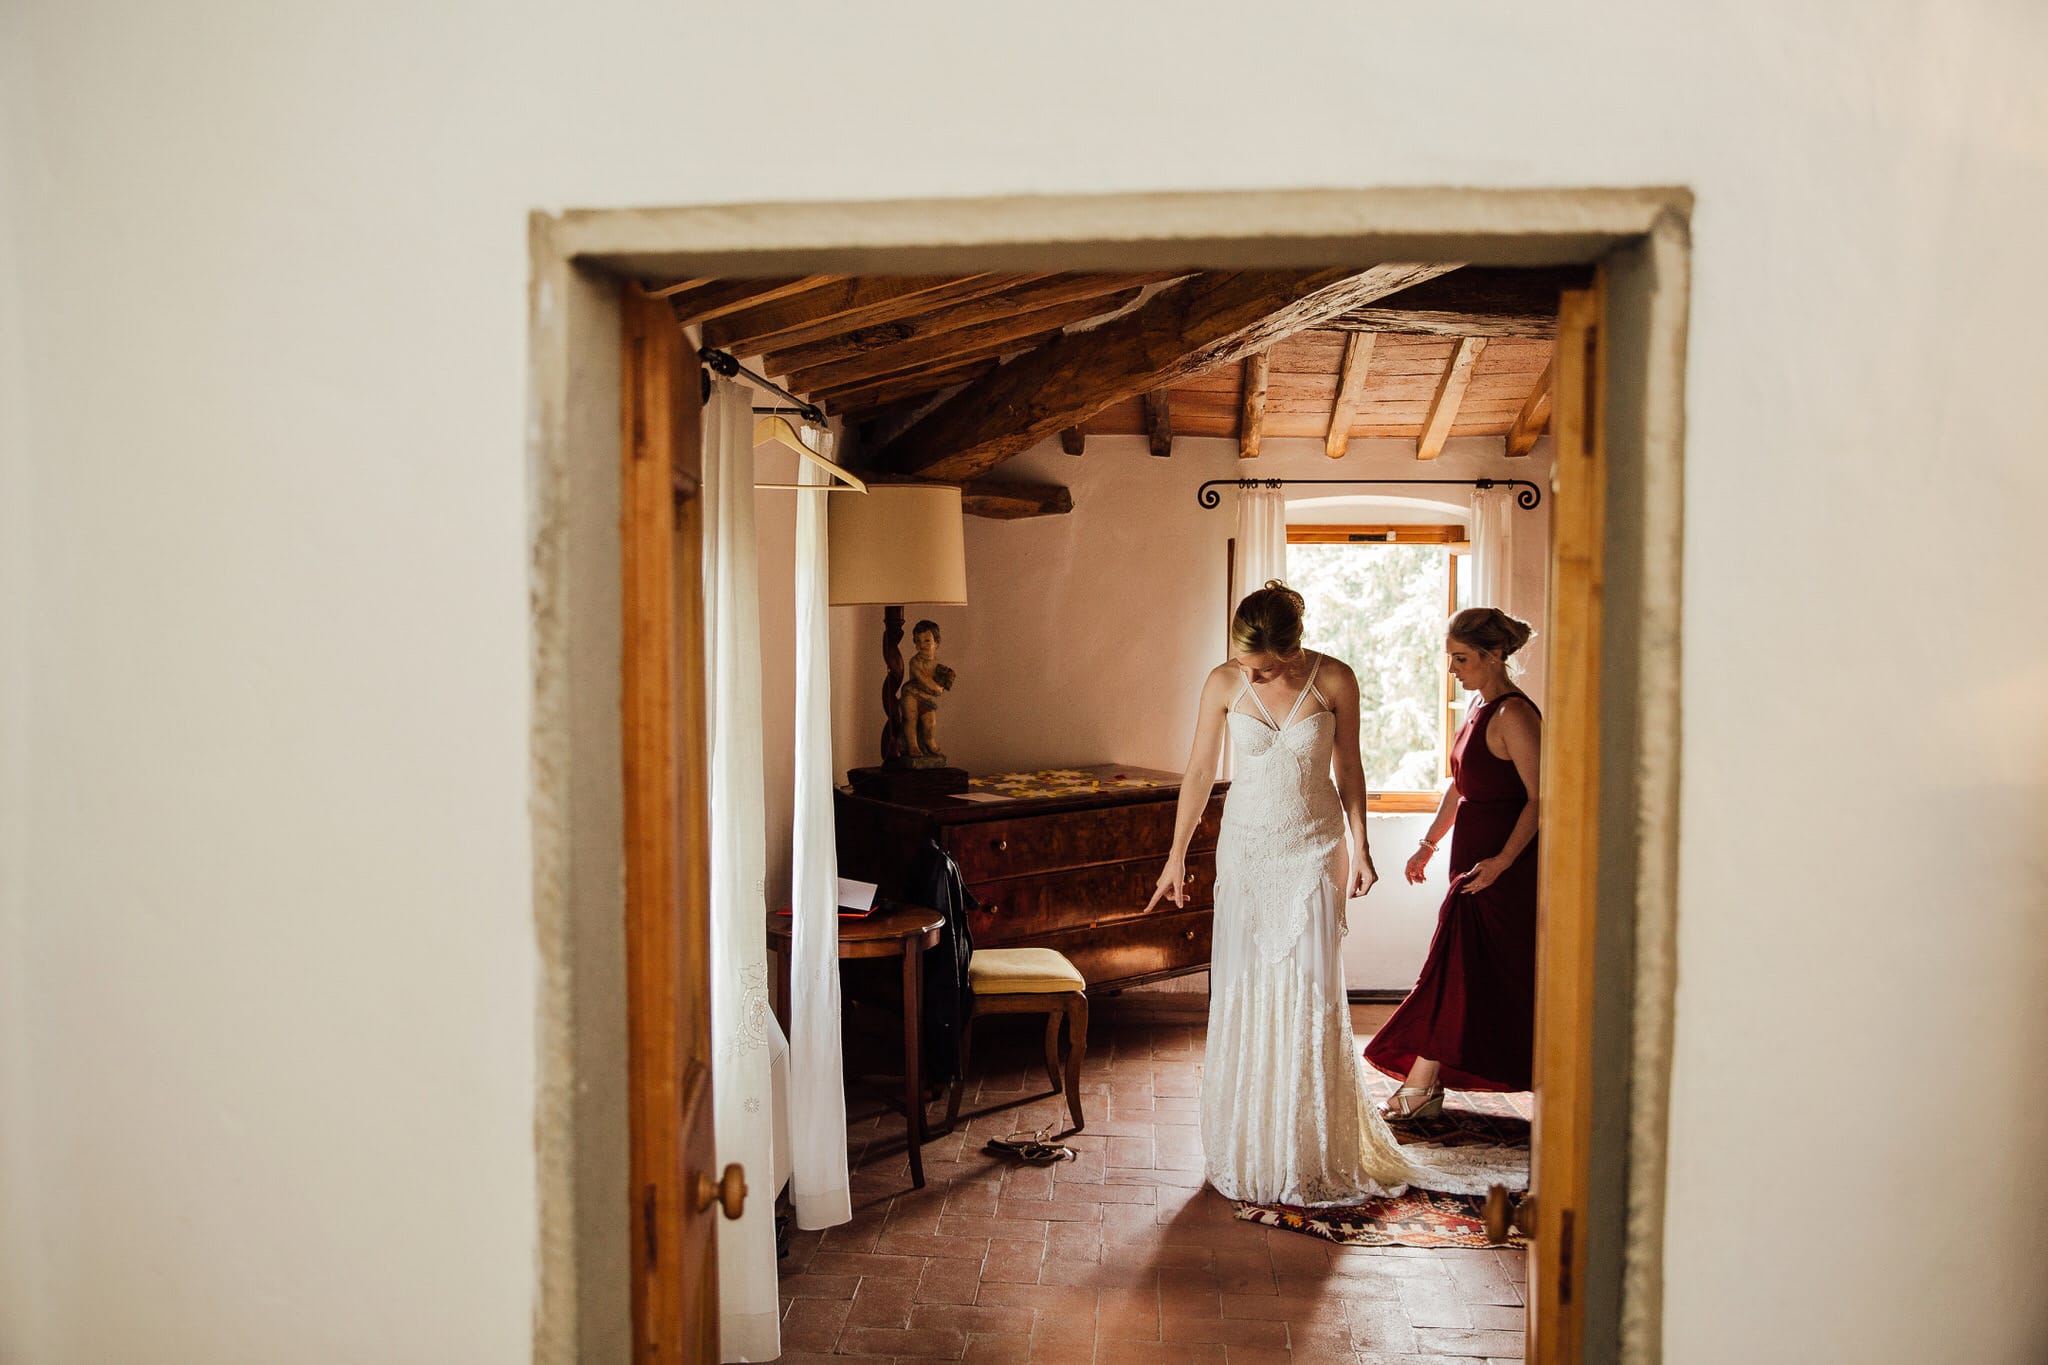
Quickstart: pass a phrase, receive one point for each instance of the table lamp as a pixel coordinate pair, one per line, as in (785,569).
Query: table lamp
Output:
(894,545)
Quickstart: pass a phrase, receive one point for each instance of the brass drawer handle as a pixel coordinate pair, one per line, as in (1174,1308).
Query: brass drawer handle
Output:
(1002,845)
(1191,879)
(993,908)
(1189,936)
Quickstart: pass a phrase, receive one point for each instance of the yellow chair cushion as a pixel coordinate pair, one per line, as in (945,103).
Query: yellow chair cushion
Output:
(1022,971)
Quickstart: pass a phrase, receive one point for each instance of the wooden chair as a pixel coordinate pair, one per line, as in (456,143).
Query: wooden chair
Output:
(1030,981)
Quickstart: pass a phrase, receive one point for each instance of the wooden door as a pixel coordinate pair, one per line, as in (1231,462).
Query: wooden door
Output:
(674,1253)
(1566,903)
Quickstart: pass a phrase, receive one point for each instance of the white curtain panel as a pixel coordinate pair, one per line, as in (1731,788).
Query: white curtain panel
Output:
(1261,535)
(1261,553)
(1493,545)
(817,1100)
(744,1036)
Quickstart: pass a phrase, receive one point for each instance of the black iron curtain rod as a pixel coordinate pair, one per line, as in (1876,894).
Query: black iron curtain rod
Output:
(723,364)
(1527,494)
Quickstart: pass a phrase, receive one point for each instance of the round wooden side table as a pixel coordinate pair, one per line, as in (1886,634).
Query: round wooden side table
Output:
(894,931)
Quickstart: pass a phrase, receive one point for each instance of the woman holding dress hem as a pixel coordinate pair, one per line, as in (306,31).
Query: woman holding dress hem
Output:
(1470,1020)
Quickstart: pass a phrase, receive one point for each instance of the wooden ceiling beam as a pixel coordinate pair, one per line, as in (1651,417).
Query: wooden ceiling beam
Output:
(1358,349)
(704,300)
(997,499)
(920,380)
(857,302)
(1533,418)
(872,424)
(1450,393)
(1007,501)
(1481,301)
(949,347)
(1185,328)
(1041,292)
(1251,411)
(675,287)
(1415,322)
(888,392)
(1485,293)
(1159,423)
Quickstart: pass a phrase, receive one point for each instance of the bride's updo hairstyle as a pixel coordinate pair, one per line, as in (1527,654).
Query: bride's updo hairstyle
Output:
(1268,621)
(1493,630)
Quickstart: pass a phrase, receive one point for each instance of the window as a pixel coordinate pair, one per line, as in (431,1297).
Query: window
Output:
(1378,598)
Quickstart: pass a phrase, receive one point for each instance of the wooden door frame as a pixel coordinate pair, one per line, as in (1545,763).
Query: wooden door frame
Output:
(1632,611)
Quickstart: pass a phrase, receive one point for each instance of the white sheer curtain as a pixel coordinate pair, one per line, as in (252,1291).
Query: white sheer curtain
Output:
(1493,545)
(1261,536)
(744,1036)
(1261,552)
(817,1100)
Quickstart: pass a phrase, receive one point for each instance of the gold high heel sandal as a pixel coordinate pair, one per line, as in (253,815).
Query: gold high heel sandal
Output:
(1399,1109)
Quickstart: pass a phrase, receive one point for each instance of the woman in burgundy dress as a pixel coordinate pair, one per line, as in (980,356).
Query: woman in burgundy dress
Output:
(1470,1022)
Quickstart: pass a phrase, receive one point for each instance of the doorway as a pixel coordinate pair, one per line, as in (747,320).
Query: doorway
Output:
(1597,1253)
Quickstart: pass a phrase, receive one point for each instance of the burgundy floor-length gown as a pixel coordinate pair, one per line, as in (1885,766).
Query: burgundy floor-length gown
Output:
(1473,1008)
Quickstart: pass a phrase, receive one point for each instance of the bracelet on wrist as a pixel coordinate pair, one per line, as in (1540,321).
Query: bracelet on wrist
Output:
(1429,844)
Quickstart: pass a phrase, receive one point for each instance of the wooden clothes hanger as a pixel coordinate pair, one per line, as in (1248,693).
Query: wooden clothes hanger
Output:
(776,429)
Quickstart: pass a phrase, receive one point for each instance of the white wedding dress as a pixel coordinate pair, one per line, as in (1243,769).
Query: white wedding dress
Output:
(1286,1118)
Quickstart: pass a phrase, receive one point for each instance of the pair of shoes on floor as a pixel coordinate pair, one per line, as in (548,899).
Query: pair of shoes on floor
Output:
(1033,1149)
(1411,1104)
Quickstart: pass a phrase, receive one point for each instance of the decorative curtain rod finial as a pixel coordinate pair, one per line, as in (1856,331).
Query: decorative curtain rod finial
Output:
(726,366)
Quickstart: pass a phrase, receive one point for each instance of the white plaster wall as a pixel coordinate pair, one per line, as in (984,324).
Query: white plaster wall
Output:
(1085,637)
(1391,927)
(268,1026)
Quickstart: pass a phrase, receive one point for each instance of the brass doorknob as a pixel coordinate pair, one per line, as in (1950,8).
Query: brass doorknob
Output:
(728,1191)
(1494,1212)
(1502,1212)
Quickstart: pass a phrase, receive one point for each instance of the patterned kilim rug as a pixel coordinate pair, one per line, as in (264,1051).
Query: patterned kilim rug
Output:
(1419,1218)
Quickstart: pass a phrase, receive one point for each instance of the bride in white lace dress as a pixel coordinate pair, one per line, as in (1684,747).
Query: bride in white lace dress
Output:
(1285,1114)
(1286,1118)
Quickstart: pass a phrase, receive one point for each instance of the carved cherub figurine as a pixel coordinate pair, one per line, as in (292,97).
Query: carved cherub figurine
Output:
(924,678)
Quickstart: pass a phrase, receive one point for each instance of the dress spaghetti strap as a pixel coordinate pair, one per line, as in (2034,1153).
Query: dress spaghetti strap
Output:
(1294,711)
(1236,701)
(1257,701)
(1302,696)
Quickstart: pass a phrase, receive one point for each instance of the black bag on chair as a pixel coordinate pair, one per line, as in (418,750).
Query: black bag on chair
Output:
(936,881)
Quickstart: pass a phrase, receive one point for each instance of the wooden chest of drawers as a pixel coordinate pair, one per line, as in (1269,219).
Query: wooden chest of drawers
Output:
(1069,872)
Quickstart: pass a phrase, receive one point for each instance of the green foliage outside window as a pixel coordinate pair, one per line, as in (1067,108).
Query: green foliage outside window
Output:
(1381,609)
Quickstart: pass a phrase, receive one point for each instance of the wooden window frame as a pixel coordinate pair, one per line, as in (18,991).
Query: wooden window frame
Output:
(1454,539)
(1380,533)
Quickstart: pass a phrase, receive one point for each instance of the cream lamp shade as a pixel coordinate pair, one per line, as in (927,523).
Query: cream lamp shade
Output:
(897,544)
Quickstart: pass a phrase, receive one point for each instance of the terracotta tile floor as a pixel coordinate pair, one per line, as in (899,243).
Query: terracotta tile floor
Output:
(1122,1255)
